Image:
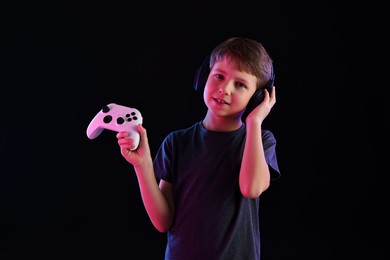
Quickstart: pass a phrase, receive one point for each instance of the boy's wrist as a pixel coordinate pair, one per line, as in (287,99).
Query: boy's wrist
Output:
(250,121)
(145,166)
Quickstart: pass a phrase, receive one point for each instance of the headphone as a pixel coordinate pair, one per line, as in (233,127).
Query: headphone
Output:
(203,72)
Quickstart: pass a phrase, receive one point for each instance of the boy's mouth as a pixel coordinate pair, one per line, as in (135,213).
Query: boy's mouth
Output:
(220,101)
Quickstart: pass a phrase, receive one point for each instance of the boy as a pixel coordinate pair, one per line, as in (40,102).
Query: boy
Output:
(212,174)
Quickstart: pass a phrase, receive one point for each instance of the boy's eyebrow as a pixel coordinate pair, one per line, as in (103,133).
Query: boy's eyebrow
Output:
(219,70)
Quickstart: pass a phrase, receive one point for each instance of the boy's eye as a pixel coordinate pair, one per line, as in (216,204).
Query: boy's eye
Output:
(237,84)
(240,85)
(218,76)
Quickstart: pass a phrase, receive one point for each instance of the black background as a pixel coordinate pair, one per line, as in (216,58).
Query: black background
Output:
(64,196)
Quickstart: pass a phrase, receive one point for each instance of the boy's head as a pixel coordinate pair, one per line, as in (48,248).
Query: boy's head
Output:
(250,56)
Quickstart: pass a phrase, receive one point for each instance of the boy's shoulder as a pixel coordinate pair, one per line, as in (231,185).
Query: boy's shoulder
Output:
(185,131)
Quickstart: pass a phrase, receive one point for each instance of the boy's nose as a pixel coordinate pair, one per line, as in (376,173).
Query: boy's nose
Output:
(225,89)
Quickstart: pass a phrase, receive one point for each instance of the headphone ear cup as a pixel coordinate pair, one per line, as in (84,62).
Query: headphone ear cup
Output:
(255,100)
(258,96)
(201,75)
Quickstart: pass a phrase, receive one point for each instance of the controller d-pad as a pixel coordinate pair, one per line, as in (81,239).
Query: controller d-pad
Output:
(107,119)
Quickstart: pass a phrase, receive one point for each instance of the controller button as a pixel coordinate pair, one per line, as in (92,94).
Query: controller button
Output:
(105,109)
(135,118)
(120,120)
(127,115)
(132,113)
(107,119)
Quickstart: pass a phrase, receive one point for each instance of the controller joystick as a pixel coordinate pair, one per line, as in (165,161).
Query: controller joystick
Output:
(116,118)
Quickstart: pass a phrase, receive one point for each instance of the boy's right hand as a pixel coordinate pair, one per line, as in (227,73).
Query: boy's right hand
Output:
(139,156)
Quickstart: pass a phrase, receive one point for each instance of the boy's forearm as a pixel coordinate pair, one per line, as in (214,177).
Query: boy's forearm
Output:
(153,199)
(254,173)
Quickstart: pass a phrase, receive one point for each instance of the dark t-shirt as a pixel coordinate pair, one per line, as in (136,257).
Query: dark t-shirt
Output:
(213,220)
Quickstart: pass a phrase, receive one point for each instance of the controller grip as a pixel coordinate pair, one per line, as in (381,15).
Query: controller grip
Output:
(136,139)
(93,131)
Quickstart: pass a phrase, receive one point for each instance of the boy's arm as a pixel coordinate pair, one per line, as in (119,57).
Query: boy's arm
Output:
(254,173)
(158,201)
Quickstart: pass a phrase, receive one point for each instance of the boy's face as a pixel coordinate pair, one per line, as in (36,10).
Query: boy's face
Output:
(228,90)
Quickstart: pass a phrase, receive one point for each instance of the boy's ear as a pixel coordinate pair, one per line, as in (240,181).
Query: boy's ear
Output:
(201,75)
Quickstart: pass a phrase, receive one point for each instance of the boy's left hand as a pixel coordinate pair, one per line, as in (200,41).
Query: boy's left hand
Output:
(262,110)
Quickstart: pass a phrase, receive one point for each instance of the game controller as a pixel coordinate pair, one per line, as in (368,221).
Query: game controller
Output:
(117,118)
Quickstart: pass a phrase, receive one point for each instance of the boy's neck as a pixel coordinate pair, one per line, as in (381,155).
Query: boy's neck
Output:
(221,124)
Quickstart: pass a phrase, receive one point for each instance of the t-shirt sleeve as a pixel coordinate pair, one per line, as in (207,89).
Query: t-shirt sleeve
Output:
(269,144)
(163,160)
